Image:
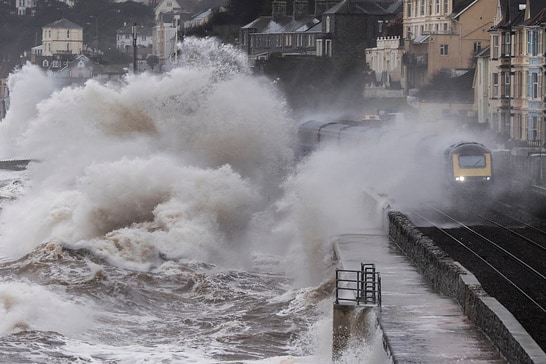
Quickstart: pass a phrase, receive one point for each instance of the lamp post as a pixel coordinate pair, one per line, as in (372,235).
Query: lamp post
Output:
(134,31)
(96,30)
(176,22)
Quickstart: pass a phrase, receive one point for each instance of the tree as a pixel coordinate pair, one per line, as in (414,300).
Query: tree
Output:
(152,60)
(311,81)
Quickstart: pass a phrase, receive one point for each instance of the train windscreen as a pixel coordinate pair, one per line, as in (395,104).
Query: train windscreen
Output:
(471,161)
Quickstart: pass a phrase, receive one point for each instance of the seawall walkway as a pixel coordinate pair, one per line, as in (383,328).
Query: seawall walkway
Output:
(433,310)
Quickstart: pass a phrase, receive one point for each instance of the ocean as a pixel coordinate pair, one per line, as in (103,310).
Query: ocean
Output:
(168,219)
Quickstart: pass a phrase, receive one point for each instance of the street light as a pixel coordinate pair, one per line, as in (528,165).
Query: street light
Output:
(96,31)
(176,22)
(134,31)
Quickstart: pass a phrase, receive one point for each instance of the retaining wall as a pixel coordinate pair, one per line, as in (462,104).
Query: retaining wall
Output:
(451,279)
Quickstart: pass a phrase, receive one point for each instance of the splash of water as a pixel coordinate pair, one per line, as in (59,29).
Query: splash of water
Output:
(171,165)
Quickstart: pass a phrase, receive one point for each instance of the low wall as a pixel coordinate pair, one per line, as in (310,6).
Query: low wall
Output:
(451,279)
(351,323)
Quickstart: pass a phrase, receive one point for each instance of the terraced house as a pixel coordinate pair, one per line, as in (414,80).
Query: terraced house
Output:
(333,28)
(443,35)
(517,66)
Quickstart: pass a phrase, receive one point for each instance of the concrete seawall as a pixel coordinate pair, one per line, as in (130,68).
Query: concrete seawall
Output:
(453,280)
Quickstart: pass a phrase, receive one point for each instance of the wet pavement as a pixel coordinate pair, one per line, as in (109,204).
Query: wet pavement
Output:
(420,325)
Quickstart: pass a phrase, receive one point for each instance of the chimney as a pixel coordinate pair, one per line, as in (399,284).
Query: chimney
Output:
(279,9)
(300,9)
(322,5)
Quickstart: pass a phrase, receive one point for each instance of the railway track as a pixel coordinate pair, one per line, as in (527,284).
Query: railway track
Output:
(507,256)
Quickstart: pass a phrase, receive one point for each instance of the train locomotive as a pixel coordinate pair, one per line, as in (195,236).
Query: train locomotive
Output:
(464,168)
(469,172)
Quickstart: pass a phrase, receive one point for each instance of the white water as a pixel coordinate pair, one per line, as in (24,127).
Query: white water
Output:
(165,220)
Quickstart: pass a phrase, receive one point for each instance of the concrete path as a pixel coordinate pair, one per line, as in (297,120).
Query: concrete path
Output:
(420,326)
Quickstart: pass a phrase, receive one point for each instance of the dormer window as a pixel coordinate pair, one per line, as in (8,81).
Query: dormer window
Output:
(68,33)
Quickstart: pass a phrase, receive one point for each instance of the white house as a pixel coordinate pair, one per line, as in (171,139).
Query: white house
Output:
(124,38)
(62,37)
(386,60)
(167,6)
(164,34)
(25,7)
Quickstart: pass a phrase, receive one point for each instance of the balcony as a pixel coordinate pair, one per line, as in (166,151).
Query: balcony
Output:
(415,59)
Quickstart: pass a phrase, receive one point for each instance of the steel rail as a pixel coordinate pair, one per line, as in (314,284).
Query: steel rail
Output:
(477,255)
(523,237)
(491,242)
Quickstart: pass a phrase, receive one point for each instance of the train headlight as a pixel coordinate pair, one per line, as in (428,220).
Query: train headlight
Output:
(459,178)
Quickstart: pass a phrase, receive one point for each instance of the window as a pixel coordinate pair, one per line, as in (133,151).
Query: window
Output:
(429,7)
(68,34)
(506,84)
(328,47)
(422,7)
(506,45)
(519,84)
(310,40)
(519,130)
(471,161)
(477,47)
(299,40)
(45,63)
(495,84)
(443,49)
(532,42)
(495,53)
(327,24)
(437,6)
(319,47)
(533,85)
(446,6)
(408,10)
(288,40)
(532,128)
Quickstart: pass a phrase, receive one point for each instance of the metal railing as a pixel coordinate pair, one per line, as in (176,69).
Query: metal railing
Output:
(359,286)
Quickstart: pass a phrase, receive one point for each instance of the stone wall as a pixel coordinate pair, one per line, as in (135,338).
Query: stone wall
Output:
(451,279)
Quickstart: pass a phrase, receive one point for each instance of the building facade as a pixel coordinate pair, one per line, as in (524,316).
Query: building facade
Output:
(25,7)
(517,66)
(334,29)
(62,37)
(443,35)
(385,61)
(281,33)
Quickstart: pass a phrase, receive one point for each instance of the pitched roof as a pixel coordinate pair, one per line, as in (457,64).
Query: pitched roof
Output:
(537,12)
(380,7)
(461,5)
(282,24)
(64,24)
